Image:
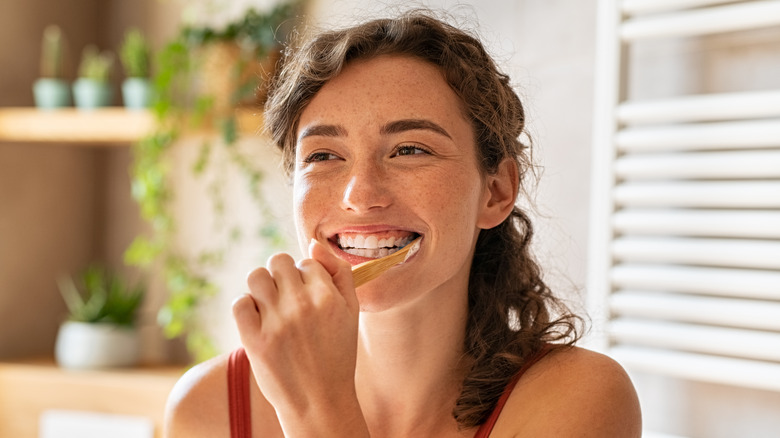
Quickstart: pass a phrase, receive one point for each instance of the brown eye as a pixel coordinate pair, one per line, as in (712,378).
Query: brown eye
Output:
(320,156)
(409,150)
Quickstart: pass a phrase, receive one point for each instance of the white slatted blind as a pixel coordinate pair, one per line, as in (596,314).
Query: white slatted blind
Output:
(685,231)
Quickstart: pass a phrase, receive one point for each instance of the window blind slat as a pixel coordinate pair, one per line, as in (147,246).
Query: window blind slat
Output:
(718,194)
(712,252)
(718,223)
(701,367)
(743,313)
(742,283)
(700,136)
(751,344)
(685,226)
(710,165)
(728,18)
(700,108)
(633,7)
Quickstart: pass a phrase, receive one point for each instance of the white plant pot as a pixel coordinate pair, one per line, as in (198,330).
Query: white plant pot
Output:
(136,93)
(83,345)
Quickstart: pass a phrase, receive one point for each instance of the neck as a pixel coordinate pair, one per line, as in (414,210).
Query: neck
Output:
(411,364)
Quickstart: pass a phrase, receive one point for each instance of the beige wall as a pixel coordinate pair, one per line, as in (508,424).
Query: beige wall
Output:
(62,206)
(47,195)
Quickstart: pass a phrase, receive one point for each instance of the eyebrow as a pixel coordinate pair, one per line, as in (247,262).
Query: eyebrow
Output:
(394,127)
(413,124)
(324,131)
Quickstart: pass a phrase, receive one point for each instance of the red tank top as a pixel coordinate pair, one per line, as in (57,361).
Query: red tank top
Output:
(241,415)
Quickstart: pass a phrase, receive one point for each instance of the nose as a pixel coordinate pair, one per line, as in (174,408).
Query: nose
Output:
(366,189)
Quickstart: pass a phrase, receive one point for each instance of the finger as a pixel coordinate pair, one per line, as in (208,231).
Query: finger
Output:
(262,287)
(339,270)
(247,317)
(284,272)
(313,272)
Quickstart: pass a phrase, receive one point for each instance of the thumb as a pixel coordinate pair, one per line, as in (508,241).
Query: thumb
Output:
(339,270)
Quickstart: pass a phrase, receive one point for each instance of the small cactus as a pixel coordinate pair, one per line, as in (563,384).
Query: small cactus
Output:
(52,53)
(95,65)
(135,54)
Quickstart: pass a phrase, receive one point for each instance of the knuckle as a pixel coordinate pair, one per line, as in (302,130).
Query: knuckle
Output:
(279,260)
(257,277)
(307,264)
(261,284)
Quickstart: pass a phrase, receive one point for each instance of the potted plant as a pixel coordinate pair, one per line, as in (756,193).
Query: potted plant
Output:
(92,89)
(135,56)
(201,77)
(50,90)
(100,330)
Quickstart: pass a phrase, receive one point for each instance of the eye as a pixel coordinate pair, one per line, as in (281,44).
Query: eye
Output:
(409,150)
(320,156)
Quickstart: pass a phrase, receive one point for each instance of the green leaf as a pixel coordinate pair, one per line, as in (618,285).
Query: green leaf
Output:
(142,251)
(229,129)
(101,296)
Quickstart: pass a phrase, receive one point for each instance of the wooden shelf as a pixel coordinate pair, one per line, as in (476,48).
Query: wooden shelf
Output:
(114,126)
(28,388)
(105,126)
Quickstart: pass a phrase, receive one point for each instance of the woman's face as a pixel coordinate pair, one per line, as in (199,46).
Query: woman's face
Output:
(385,154)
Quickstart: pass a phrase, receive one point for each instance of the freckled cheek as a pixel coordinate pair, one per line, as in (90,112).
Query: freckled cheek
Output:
(308,206)
(450,204)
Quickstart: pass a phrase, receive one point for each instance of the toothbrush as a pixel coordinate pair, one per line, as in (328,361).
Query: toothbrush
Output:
(372,269)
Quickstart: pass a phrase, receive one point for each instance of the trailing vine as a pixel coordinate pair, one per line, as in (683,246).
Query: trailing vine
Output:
(182,104)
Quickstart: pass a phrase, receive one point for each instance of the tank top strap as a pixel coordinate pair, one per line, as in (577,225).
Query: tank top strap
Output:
(238,394)
(487,427)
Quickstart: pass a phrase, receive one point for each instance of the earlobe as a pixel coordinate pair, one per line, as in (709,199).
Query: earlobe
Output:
(501,194)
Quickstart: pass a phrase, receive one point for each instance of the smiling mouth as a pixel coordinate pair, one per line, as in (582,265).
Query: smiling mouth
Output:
(374,246)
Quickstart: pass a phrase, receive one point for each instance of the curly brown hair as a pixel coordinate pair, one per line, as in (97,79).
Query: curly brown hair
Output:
(512,312)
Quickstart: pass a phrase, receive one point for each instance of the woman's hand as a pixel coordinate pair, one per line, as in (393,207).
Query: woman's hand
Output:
(299,327)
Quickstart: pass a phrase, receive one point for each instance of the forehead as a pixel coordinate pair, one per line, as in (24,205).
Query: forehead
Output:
(383,89)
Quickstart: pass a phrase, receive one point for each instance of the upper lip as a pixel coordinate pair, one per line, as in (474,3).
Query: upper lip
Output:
(368,229)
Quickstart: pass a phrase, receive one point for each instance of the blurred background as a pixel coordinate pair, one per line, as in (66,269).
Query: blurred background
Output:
(185,195)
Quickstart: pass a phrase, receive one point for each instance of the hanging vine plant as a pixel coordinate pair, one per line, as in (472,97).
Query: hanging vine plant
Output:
(184,101)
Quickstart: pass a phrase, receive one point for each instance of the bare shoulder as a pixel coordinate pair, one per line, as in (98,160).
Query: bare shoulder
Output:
(198,404)
(573,392)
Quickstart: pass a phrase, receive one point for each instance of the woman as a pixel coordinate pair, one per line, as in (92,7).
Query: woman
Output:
(393,130)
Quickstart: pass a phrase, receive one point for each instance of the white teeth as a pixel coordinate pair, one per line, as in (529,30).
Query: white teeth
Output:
(372,246)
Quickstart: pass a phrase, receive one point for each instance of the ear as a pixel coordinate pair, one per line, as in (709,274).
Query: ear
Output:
(500,194)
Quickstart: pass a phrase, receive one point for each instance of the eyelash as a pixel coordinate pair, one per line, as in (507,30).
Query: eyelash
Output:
(408,147)
(319,156)
(327,156)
